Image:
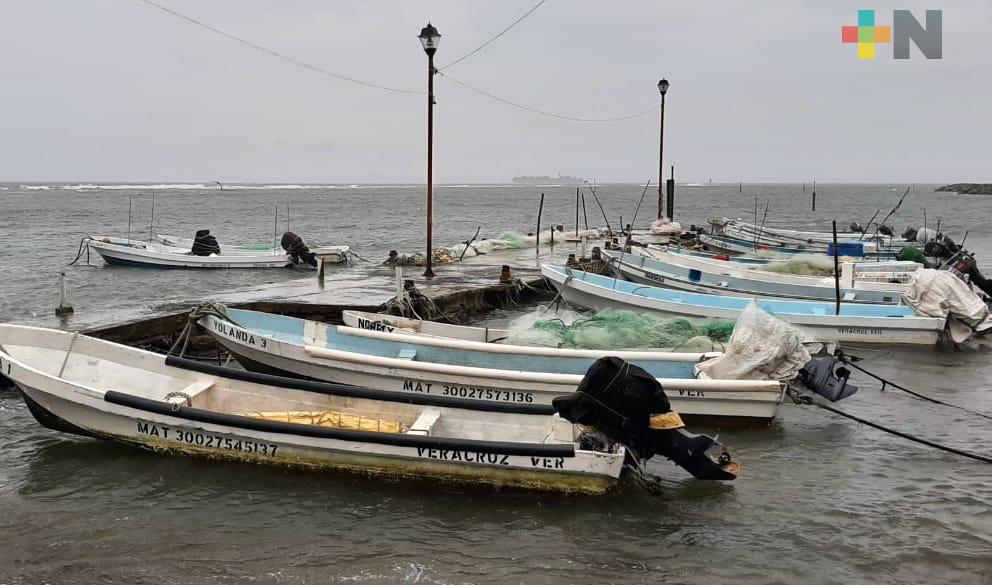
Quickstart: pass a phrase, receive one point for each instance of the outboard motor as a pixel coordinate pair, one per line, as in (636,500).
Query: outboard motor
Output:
(940,246)
(855,227)
(204,244)
(886,230)
(967,265)
(909,234)
(297,250)
(629,406)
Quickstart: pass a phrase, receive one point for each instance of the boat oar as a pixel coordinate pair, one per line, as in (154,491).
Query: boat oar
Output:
(636,209)
(469,242)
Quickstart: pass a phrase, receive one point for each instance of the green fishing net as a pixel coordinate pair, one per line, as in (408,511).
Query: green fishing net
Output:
(911,253)
(515,238)
(619,329)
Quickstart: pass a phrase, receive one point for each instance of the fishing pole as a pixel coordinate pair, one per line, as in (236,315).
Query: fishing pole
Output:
(592,190)
(636,209)
(893,212)
(868,225)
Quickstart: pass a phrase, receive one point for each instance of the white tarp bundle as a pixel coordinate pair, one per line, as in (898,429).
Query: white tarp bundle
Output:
(939,293)
(665,227)
(761,348)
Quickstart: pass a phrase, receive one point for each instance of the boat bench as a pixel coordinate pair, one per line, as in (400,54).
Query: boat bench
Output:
(425,422)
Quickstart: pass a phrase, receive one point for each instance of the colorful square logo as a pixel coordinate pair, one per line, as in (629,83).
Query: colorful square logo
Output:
(865,34)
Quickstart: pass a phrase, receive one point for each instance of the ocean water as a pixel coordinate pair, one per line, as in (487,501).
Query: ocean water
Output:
(821,500)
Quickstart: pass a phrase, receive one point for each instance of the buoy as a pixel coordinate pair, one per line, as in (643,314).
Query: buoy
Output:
(65,307)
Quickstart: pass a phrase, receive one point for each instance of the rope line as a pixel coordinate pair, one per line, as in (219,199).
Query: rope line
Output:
(849,360)
(277,54)
(541,112)
(498,35)
(904,435)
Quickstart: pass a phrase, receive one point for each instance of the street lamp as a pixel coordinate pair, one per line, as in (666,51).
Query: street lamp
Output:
(662,89)
(430,39)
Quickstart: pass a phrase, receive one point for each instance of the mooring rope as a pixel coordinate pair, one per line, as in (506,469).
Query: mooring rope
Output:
(83,243)
(803,399)
(202,310)
(849,360)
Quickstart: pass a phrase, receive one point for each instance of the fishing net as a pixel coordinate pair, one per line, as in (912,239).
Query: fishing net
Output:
(617,329)
(911,253)
(804,265)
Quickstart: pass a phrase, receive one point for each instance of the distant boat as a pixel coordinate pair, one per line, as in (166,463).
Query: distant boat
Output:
(545,180)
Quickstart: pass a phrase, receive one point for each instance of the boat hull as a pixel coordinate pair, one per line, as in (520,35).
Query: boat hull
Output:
(165,257)
(658,273)
(69,408)
(709,402)
(823,328)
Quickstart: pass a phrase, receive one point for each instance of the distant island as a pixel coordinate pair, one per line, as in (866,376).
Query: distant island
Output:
(559,180)
(968,188)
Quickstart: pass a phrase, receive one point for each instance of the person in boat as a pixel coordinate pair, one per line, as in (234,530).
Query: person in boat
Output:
(204,244)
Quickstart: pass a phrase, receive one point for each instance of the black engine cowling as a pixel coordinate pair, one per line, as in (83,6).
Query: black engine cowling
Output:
(620,399)
(297,250)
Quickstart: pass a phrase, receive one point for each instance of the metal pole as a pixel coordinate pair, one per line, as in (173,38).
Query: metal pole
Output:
(814,196)
(275,229)
(836,271)
(585,217)
(130,202)
(537,242)
(151,222)
(576,213)
(661,165)
(429,272)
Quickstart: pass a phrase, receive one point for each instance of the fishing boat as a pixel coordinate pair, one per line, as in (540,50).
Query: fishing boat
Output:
(330,254)
(125,252)
(741,246)
(763,285)
(394,324)
(87,386)
(807,239)
(484,372)
(857,323)
(887,268)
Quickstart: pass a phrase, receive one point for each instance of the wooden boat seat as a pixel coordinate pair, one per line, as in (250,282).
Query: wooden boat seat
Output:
(425,422)
(197,387)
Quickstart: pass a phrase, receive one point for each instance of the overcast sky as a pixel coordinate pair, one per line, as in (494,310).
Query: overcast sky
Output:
(760,91)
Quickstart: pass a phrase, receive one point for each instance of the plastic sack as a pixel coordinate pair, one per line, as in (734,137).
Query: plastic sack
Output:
(938,293)
(761,348)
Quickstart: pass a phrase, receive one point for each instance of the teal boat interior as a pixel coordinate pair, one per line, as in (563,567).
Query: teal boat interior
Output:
(291,330)
(812,308)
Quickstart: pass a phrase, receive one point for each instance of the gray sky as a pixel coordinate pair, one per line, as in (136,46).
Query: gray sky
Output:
(761,91)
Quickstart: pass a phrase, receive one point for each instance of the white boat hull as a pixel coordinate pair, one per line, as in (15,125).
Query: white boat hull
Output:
(75,407)
(149,255)
(822,328)
(714,401)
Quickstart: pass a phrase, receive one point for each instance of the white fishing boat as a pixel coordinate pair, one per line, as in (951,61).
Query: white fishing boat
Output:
(404,325)
(739,227)
(124,252)
(733,245)
(764,285)
(95,388)
(484,372)
(330,254)
(857,323)
(856,275)
(886,267)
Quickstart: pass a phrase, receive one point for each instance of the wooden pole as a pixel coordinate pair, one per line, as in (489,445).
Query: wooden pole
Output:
(814,195)
(275,229)
(429,272)
(151,222)
(836,271)
(130,203)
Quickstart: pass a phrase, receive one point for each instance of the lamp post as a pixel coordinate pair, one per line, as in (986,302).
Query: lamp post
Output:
(662,89)
(430,39)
